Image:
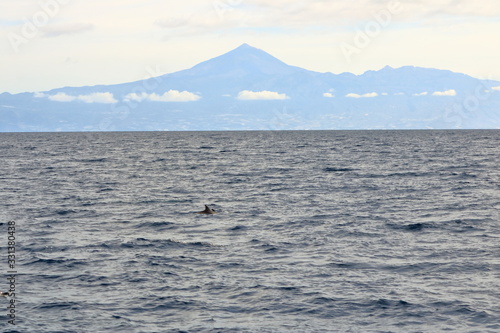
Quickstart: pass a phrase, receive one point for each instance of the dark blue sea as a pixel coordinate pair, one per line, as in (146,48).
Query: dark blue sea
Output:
(317,231)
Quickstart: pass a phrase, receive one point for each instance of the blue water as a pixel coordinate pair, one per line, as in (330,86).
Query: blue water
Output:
(327,231)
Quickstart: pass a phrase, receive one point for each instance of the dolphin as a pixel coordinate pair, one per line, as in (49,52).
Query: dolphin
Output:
(207,210)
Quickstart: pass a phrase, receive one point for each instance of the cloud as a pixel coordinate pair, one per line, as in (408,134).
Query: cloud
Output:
(352,95)
(135,97)
(175,96)
(368,95)
(496,88)
(421,94)
(205,19)
(61,97)
(169,96)
(329,95)
(104,98)
(260,95)
(193,17)
(329,11)
(66,29)
(450,92)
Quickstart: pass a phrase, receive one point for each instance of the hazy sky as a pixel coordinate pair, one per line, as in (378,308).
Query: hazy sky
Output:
(47,44)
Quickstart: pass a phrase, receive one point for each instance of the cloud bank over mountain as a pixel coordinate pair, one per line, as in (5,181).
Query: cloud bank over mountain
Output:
(261,95)
(169,96)
(98,97)
(367,95)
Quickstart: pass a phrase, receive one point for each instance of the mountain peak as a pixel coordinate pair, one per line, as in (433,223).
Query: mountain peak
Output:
(245,45)
(243,60)
(245,49)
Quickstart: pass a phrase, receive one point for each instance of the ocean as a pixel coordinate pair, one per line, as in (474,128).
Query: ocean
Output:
(316,231)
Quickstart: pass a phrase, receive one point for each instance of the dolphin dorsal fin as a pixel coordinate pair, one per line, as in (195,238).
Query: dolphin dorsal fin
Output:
(207,210)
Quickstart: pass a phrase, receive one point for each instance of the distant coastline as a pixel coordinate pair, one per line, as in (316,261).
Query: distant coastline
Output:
(249,89)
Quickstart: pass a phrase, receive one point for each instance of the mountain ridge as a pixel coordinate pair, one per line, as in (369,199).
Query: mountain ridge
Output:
(285,69)
(221,94)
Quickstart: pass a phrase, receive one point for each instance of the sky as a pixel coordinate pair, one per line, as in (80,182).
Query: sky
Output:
(47,44)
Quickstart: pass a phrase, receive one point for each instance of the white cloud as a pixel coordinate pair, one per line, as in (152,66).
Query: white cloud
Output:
(169,96)
(368,95)
(496,88)
(421,94)
(105,98)
(135,97)
(175,96)
(260,95)
(450,92)
(353,95)
(61,97)
(39,95)
(329,95)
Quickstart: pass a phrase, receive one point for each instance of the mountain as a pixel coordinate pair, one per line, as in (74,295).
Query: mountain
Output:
(249,89)
(242,61)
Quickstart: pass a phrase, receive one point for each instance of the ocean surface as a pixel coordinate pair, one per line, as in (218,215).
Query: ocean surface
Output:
(320,231)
